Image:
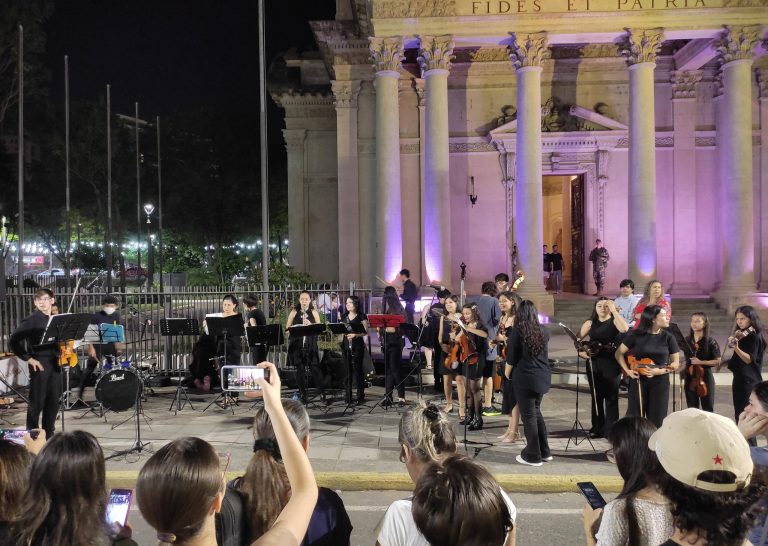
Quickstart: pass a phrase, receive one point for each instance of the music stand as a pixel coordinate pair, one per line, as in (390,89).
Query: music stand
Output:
(342,329)
(577,427)
(261,338)
(225,327)
(688,352)
(61,329)
(302,331)
(385,321)
(170,328)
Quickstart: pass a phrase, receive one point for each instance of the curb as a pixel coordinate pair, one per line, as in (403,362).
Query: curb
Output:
(396,481)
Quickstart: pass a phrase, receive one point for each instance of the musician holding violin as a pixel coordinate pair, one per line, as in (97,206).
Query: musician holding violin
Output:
(508,302)
(45,375)
(468,348)
(746,363)
(698,380)
(603,328)
(450,366)
(654,354)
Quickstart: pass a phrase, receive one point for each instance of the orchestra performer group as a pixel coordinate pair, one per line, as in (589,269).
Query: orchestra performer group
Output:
(448,366)
(303,352)
(748,347)
(392,346)
(42,360)
(430,341)
(210,352)
(603,328)
(470,339)
(98,351)
(508,302)
(354,350)
(698,379)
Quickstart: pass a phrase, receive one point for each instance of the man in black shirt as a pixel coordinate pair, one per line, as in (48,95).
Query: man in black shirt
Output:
(107,315)
(45,377)
(410,294)
(556,261)
(547,265)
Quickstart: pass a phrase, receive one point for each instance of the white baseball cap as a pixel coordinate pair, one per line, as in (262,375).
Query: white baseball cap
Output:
(692,441)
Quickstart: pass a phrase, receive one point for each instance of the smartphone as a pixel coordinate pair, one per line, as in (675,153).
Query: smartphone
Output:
(242,378)
(593,496)
(119,505)
(17,435)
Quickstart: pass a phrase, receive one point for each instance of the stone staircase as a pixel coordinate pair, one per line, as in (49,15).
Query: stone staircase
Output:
(574,311)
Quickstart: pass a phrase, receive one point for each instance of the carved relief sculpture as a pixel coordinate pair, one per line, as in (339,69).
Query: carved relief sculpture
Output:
(435,52)
(345,93)
(738,43)
(684,83)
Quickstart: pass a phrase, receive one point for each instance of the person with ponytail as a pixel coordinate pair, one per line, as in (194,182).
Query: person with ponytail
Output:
(640,514)
(265,488)
(426,437)
(182,486)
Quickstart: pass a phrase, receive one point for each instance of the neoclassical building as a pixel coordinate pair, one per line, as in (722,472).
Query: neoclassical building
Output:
(430,133)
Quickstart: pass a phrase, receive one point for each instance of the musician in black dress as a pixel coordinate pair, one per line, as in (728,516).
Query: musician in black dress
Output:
(354,349)
(210,352)
(604,328)
(302,350)
(473,362)
(649,384)
(255,317)
(393,349)
(748,349)
(528,366)
(44,372)
(430,322)
(451,371)
(698,379)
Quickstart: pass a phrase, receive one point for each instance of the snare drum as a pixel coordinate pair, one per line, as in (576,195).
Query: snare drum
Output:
(118,389)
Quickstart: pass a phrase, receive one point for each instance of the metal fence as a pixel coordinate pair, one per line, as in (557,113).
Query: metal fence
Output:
(141,313)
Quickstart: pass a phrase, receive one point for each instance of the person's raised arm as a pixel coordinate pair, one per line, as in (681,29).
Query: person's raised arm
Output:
(294,518)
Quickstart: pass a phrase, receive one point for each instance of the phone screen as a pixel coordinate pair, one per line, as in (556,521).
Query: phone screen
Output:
(593,496)
(13,435)
(242,378)
(119,505)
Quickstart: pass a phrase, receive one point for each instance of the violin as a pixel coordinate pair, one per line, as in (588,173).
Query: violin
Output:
(67,355)
(462,351)
(643,366)
(739,335)
(452,349)
(696,373)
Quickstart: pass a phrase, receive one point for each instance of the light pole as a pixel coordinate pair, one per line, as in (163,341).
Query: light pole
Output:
(149,208)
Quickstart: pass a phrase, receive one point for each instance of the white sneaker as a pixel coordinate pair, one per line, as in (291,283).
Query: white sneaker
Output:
(520,460)
(547,459)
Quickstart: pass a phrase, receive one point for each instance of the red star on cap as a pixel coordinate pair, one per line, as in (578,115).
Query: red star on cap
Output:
(718,459)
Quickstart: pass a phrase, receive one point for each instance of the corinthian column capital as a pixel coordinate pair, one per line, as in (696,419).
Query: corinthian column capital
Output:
(684,83)
(294,139)
(345,93)
(435,52)
(387,54)
(641,45)
(738,43)
(529,49)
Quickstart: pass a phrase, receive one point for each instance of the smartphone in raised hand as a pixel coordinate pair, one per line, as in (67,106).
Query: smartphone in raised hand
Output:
(118,506)
(593,496)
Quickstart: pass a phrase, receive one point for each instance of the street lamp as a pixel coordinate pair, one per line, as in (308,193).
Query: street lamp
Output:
(149,208)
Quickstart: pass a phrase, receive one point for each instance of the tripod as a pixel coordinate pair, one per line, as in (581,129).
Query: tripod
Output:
(466,442)
(138,445)
(577,428)
(170,328)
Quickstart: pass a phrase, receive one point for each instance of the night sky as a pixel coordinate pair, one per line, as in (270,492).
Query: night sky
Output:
(173,55)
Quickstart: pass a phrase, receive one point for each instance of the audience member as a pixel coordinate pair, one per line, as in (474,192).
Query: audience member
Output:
(708,477)
(426,436)
(627,301)
(14,474)
(640,514)
(266,490)
(753,422)
(65,502)
(461,486)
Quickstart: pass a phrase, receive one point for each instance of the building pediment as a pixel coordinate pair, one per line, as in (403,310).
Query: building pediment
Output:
(559,118)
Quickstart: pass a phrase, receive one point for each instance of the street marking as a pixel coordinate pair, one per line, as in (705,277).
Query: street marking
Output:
(524,511)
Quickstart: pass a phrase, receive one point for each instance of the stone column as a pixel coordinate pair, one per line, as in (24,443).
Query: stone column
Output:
(762,80)
(640,47)
(297,207)
(528,53)
(735,48)
(387,55)
(435,56)
(684,175)
(345,94)
(419,85)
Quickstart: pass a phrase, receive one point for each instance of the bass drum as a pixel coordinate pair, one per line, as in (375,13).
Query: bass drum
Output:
(118,389)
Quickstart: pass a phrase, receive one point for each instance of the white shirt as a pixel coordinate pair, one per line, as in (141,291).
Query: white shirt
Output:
(398,528)
(653,517)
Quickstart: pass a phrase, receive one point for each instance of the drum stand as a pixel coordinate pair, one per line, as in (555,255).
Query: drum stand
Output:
(138,411)
(138,445)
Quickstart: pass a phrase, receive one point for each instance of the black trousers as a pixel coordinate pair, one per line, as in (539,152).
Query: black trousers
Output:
(604,390)
(410,309)
(44,393)
(393,357)
(353,358)
(534,426)
(303,358)
(655,396)
(706,403)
